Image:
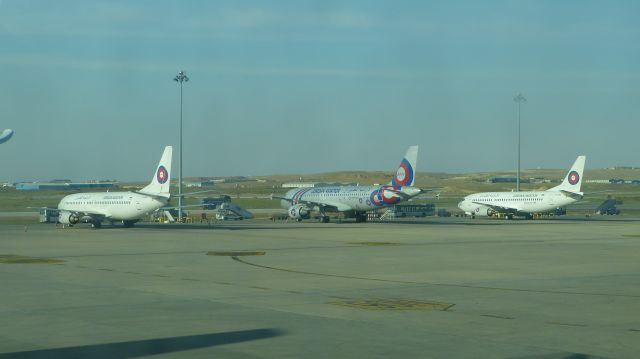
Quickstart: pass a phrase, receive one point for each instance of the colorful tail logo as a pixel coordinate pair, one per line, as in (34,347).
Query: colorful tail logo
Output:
(573,181)
(573,177)
(160,182)
(405,174)
(162,175)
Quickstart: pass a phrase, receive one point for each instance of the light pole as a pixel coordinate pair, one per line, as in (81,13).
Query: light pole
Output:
(180,78)
(519,99)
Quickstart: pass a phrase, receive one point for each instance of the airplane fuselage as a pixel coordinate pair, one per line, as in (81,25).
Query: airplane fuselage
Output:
(485,204)
(349,198)
(124,206)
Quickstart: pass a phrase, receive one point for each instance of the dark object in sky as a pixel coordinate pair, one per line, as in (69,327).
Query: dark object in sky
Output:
(6,135)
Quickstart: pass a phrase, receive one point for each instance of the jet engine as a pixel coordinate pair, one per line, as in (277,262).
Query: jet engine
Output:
(299,212)
(66,217)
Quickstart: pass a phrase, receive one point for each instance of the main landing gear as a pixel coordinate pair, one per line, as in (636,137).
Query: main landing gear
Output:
(361,217)
(323,218)
(128,224)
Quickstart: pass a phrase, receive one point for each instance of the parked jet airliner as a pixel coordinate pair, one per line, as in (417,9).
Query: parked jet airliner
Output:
(527,203)
(354,201)
(127,207)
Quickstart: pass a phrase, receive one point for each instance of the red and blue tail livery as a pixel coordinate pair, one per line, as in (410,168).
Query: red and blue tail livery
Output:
(405,174)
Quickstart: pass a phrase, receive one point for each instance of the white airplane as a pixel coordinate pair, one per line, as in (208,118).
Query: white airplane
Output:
(5,135)
(127,207)
(354,201)
(527,203)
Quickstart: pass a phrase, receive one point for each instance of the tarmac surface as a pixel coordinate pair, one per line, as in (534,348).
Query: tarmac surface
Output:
(438,288)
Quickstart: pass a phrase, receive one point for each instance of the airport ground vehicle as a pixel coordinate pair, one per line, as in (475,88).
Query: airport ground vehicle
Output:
(442,212)
(608,207)
(49,215)
(411,210)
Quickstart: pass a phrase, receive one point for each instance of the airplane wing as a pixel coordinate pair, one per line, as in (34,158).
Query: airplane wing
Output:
(192,193)
(340,207)
(185,206)
(499,209)
(599,192)
(95,214)
(398,193)
(429,190)
(98,216)
(576,196)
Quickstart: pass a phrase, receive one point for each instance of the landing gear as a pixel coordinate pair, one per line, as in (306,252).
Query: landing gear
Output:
(324,219)
(96,224)
(128,224)
(361,217)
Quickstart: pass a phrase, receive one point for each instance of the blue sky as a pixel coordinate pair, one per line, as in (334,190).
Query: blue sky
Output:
(315,86)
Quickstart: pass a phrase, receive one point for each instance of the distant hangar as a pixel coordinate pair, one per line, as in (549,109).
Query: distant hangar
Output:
(30,186)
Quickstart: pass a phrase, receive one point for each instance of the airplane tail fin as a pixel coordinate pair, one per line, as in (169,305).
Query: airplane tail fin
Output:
(161,181)
(405,175)
(573,180)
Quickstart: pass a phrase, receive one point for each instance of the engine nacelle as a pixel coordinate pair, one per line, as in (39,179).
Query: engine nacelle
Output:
(66,217)
(299,211)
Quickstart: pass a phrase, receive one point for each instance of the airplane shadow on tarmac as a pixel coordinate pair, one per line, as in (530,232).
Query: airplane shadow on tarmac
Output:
(146,347)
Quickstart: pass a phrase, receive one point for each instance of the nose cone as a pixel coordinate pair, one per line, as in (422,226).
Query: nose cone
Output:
(463,204)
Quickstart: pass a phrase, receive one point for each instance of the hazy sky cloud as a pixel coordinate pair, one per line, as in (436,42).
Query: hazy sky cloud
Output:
(311,86)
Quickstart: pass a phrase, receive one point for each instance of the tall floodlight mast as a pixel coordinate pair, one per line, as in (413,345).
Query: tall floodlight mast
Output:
(519,99)
(180,78)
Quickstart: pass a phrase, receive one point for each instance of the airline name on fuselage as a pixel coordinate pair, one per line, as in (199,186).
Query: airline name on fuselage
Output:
(326,190)
(514,195)
(113,197)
